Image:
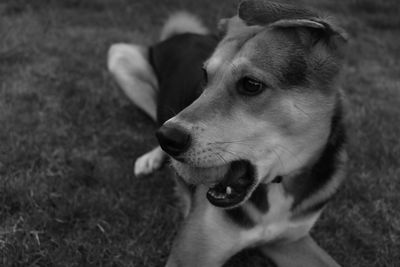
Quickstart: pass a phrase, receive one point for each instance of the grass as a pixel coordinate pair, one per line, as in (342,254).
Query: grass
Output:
(68,137)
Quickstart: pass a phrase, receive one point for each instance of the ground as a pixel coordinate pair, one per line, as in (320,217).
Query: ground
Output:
(68,137)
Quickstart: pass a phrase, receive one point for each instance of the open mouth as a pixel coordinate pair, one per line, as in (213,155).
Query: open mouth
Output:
(236,185)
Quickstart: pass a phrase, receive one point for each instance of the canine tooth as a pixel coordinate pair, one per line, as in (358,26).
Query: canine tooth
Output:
(228,190)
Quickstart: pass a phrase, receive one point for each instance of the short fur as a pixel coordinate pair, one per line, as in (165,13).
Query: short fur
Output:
(292,134)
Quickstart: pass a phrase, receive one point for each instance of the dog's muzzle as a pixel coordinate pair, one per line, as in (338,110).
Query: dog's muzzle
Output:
(230,188)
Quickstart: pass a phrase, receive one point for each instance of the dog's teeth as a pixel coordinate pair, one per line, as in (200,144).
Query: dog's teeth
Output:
(228,190)
(218,195)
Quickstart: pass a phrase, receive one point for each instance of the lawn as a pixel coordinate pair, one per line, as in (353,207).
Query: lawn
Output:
(68,137)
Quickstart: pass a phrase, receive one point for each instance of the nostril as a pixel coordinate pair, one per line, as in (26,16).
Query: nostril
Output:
(173,139)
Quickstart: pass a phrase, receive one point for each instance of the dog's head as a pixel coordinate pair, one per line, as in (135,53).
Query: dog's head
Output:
(267,107)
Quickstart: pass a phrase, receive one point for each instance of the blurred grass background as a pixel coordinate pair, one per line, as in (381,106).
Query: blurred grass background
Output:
(68,137)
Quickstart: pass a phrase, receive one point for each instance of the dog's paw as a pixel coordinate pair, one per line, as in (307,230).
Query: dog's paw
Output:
(149,162)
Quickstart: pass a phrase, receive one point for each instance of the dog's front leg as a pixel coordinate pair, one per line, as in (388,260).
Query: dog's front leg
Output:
(149,162)
(304,252)
(206,239)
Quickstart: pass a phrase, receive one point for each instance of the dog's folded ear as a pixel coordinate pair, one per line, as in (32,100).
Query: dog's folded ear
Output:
(310,26)
(313,30)
(264,12)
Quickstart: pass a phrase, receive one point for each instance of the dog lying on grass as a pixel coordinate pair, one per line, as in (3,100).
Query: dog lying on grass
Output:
(252,123)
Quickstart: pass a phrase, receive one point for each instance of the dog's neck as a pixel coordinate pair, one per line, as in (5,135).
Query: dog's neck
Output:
(316,175)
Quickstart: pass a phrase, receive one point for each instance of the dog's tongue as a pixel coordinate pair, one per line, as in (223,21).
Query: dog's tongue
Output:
(234,176)
(234,186)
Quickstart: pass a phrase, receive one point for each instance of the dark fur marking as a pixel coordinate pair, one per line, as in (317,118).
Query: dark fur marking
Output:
(294,73)
(266,12)
(259,198)
(324,70)
(240,217)
(254,257)
(313,179)
(177,63)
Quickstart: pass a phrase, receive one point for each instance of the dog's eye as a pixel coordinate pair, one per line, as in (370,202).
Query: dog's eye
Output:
(205,75)
(250,87)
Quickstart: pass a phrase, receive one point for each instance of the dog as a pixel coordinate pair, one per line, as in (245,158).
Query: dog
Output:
(252,121)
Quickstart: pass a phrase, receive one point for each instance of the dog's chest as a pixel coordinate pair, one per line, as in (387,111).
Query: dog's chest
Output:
(265,217)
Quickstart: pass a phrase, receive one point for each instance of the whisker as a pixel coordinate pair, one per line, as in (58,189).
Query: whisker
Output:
(221,157)
(279,158)
(246,142)
(233,142)
(203,124)
(289,151)
(233,153)
(305,113)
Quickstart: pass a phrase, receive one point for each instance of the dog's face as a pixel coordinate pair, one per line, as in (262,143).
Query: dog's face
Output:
(265,112)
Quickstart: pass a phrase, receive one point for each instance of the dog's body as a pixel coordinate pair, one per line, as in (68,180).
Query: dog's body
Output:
(256,137)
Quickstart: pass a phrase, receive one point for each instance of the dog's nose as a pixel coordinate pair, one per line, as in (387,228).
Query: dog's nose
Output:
(173,139)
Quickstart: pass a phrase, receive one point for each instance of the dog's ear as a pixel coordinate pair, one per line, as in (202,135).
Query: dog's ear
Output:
(264,12)
(311,28)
